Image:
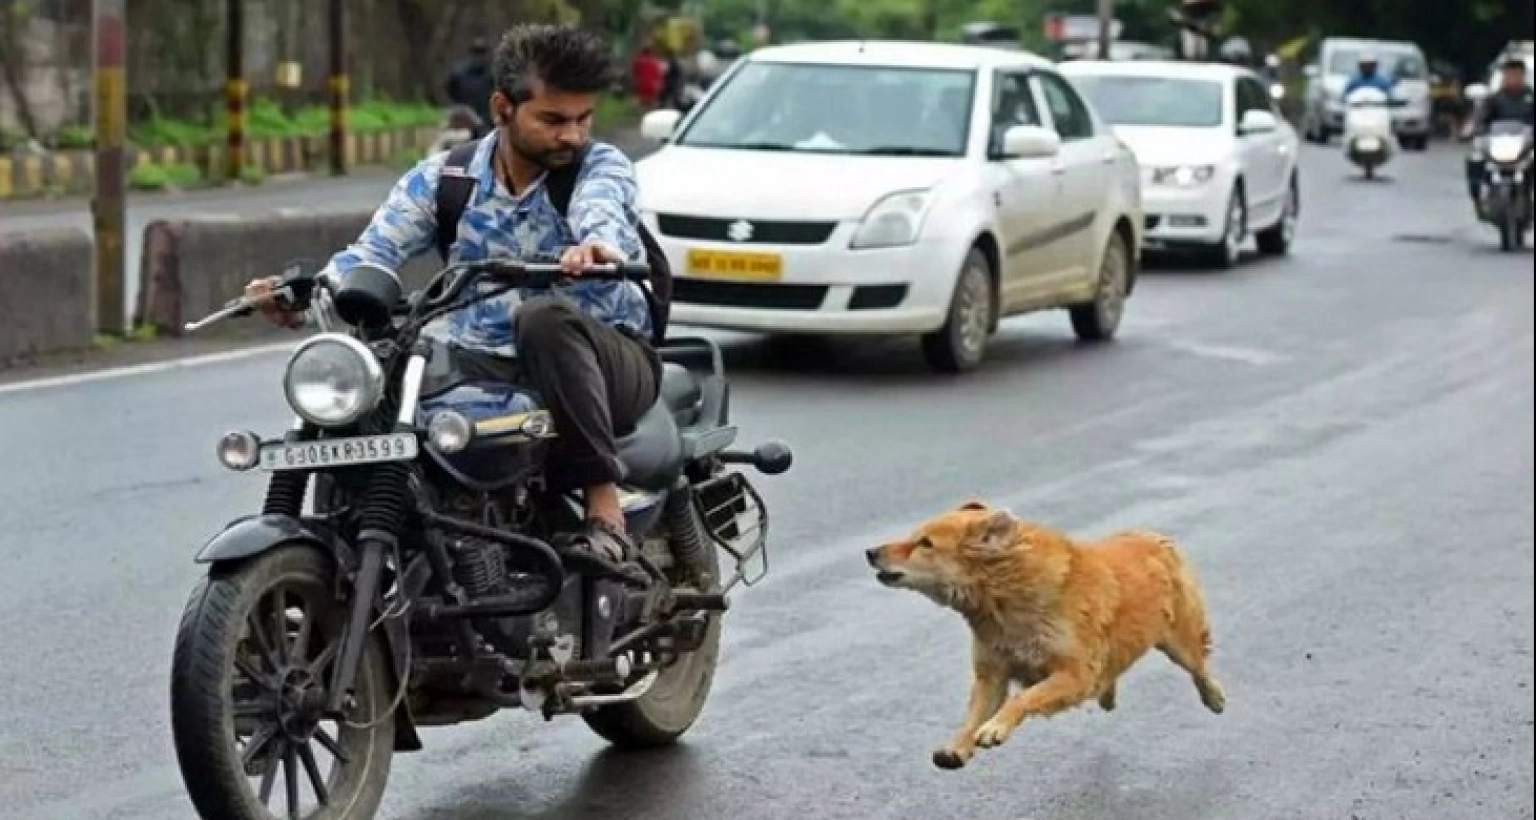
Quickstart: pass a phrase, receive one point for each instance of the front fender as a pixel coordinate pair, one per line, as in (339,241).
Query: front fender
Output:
(253,535)
(256,534)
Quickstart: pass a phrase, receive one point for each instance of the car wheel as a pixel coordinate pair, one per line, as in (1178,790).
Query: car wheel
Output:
(960,345)
(1097,321)
(1276,240)
(1229,251)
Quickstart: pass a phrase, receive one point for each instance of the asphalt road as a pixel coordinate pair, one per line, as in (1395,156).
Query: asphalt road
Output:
(1342,441)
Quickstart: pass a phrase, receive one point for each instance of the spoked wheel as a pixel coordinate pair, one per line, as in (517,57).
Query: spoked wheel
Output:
(672,704)
(249,679)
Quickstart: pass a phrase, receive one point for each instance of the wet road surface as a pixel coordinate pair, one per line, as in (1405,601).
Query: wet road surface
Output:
(1342,441)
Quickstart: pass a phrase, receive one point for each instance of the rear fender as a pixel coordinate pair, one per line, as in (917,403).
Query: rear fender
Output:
(254,535)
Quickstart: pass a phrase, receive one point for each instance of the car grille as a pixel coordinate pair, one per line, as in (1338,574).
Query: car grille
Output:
(763,231)
(747,294)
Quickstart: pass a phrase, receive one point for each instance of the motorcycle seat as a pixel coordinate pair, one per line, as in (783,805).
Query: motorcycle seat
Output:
(652,454)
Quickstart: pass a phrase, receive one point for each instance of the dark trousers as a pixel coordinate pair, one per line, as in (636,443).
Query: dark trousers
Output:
(596,380)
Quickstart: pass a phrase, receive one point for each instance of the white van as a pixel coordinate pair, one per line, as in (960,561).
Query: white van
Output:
(1337,59)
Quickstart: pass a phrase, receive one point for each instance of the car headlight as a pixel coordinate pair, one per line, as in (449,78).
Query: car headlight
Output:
(332,380)
(894,220)
(1183,176)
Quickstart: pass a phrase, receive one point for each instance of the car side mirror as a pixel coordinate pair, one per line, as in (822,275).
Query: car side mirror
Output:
(659,125)
(1030,142)
(1258,122)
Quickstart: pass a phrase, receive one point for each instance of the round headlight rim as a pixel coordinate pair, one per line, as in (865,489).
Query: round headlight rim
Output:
(373,376)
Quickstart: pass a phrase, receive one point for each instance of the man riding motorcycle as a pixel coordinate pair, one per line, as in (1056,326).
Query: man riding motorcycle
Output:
(1369,76)
(585,347)
(1513,101)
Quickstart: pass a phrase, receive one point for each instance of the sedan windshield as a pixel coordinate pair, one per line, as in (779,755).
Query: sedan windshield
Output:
(873,110)
(1156,101)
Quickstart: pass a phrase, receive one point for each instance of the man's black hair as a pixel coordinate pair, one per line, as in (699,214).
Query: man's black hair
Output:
(1513,63)
(563,58)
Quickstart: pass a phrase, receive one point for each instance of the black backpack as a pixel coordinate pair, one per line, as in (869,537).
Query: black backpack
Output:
(455,186)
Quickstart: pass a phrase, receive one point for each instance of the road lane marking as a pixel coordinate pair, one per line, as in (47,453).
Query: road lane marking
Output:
(146,369)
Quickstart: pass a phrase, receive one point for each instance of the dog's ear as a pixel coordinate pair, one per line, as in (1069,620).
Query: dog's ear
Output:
(993,532)
(973,505)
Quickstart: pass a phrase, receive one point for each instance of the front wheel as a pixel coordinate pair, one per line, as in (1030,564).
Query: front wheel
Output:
(960,345)
(675,701)
(248,680)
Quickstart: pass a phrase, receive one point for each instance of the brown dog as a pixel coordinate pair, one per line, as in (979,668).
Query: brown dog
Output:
(1063,620)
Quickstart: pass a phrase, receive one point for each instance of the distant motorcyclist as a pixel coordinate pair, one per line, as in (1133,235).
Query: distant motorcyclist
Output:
(1369,76)
(1512,102)
(472,82)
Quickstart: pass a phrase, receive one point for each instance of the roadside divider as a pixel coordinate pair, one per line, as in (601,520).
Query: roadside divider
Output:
(45,293)
(192,267)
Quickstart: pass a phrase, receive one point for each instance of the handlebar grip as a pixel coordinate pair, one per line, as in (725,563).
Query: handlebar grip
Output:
(637,271)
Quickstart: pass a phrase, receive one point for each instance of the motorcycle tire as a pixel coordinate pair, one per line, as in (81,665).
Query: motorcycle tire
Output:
(669,709)
(222,617)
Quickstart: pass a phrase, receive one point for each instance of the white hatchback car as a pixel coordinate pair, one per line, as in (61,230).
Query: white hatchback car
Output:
(1218,162)
(893,188)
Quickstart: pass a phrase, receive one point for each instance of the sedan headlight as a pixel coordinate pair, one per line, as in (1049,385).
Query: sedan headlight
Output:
(332,380)
(895,220)
(1183,176)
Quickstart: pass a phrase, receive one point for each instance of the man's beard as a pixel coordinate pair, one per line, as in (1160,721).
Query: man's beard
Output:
(547,158)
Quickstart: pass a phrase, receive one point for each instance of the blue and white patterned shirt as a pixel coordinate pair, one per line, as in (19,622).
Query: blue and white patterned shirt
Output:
(498,224)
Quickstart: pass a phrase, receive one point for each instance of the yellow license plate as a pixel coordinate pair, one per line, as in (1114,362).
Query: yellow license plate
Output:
(757,267)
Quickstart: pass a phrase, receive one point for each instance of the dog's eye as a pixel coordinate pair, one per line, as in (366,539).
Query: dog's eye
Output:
(923,543)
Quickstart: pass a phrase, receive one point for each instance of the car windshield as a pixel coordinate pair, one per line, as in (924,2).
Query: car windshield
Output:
(838,109)
(1158,101)
(1402,65)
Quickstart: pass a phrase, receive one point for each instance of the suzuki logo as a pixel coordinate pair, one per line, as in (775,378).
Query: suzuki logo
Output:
(739,231)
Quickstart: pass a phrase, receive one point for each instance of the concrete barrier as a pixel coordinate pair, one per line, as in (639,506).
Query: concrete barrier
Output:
(191,268)
(45,293)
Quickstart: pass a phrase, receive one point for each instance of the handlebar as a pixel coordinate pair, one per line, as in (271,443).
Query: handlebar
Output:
(297,287)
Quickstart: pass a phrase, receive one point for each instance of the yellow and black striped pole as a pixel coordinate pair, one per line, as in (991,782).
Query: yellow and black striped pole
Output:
(339,86)
(235,90)
(109,208)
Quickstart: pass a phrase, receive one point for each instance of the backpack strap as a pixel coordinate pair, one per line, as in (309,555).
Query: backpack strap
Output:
(454,188)
(560,184)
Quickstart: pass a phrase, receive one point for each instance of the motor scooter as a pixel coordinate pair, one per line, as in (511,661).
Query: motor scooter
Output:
(1369,142)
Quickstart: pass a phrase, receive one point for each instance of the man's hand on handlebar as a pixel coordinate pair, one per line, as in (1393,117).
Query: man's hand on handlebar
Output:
(260,293)
(578,258)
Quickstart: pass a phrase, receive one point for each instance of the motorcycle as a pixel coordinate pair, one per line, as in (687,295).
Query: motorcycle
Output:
(1369,141)
(426,586)
(1505,200)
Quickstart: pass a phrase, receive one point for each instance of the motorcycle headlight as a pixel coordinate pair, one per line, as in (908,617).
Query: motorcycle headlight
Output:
(1505,150)
(1183,176)
(332,380)
(894,220)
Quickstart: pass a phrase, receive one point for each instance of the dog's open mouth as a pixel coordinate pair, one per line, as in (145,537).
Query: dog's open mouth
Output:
(889,577)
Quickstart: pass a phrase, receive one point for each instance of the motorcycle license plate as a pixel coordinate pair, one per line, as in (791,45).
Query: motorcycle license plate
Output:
(341,452)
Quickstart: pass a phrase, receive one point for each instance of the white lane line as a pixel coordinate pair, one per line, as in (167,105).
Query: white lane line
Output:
(146,369)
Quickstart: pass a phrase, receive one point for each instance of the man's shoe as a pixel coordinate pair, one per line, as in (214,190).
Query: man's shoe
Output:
(608,549)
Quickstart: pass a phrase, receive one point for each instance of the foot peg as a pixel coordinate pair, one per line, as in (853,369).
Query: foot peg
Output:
(770,458)
(700,601)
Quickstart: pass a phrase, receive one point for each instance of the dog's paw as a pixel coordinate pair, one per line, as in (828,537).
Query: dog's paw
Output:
(993,733)
(1212,695)
(951,759)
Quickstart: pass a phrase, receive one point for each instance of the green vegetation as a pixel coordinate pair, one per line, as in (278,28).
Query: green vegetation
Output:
(267,120)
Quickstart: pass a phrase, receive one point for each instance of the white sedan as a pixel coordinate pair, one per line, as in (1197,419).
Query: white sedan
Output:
(893,188)
(1218,162)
